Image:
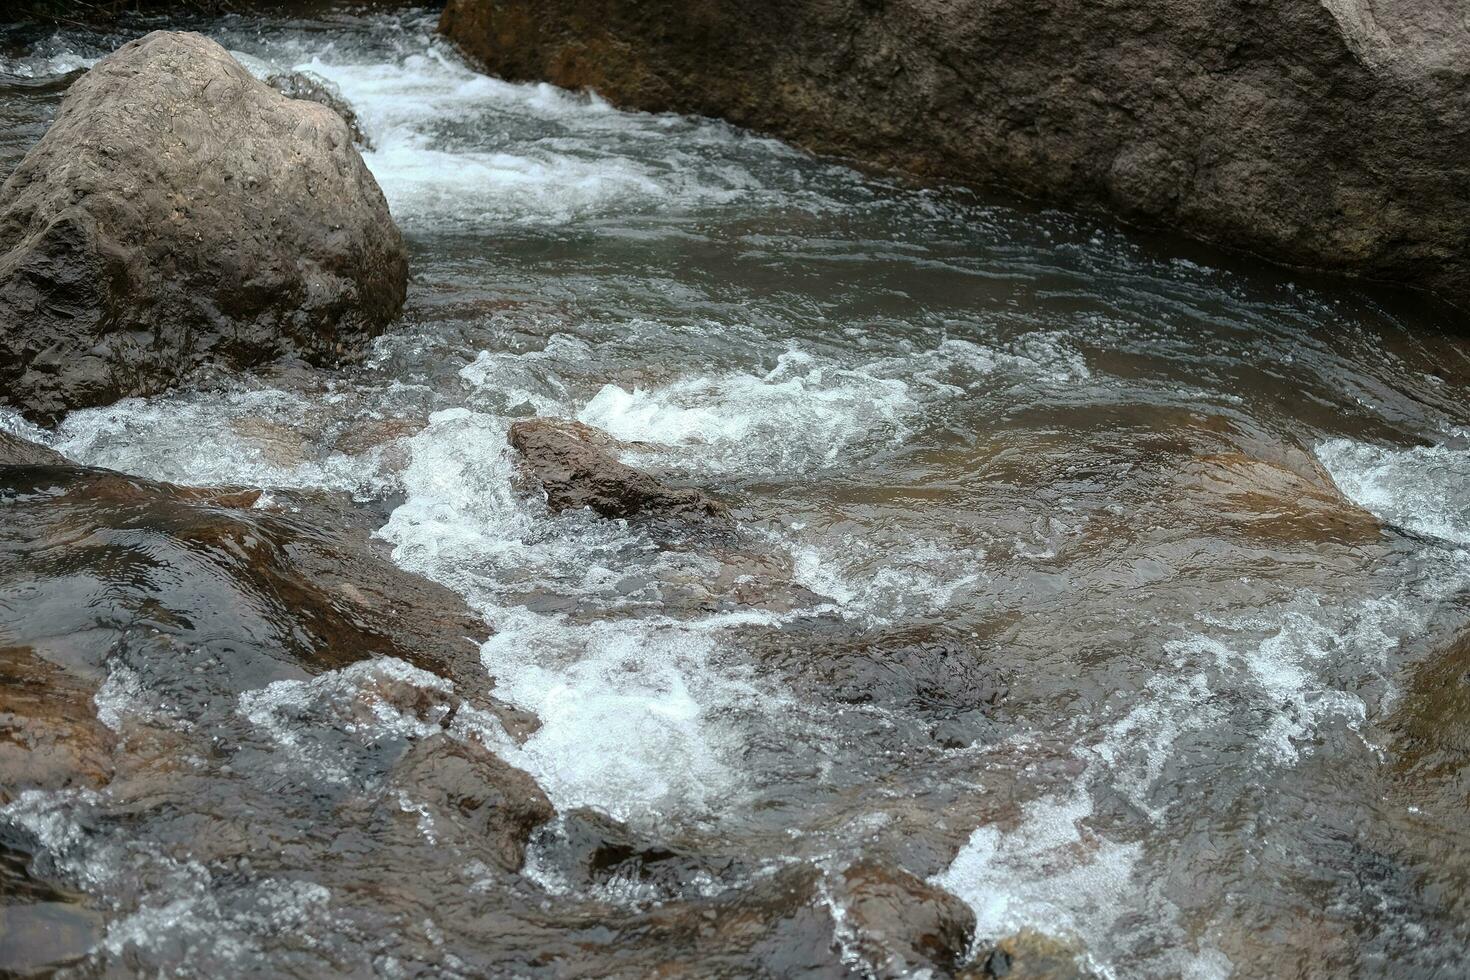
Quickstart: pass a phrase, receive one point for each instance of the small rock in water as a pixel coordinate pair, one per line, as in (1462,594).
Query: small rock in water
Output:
(574,464)
(590,850)
(181,213)
(902,925)
(491,804)
(1030,955)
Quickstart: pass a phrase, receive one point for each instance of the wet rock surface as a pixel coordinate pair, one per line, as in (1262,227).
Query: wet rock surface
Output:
(50,737)
(901,925)
(942,680)
(104,575)
(152,627)
(1278,127)
(588,851)
(179,212)
(461,783)
(1031,955)
(16,451)
(575,466)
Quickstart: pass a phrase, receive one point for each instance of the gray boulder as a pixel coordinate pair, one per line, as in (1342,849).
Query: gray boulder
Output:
(1323,133)
(306,85)
(180,212)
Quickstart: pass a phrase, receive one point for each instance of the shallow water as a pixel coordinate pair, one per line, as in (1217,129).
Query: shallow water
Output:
(1086,579)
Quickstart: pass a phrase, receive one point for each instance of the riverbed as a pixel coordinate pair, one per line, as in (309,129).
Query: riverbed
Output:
(1106,582)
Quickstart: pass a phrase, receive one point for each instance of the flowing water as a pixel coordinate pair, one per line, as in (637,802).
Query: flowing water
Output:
(1117,592)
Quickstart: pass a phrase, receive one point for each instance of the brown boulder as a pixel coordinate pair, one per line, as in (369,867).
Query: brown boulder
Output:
(1327,134)
(573,464)
(180,212)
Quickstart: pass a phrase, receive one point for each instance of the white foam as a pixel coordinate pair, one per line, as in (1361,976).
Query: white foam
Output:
(635,717)
(1425,489)
(636,714)
(1049,873)
(252,438)
(293,713)
(522,153)
(801,415)
(16,424)
(880,581)
(198,931)
(61,61)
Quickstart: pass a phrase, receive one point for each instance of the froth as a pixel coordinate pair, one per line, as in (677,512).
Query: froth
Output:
(1425,489)
(522,154)
(256,438)
(636,718)
(1050,873)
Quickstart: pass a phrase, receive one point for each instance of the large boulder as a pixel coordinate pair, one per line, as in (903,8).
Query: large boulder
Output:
(1326,133)
(181,212)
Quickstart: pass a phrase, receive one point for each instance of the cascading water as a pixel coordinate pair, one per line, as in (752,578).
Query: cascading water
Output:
(1043,590)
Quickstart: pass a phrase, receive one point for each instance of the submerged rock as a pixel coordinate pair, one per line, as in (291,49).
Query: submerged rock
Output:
(900,924)
(180,212)
(574,465)
(50,737)
(945,681)
(1282,127)
(488,801)
(590,852)
(104,575)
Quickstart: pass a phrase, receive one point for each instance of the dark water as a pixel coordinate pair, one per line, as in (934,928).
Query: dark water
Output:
(1118,593)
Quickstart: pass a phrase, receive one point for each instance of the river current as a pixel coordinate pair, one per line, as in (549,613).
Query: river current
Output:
(1105,581)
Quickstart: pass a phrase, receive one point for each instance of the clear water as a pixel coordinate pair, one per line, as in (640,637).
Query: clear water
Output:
(1207,521)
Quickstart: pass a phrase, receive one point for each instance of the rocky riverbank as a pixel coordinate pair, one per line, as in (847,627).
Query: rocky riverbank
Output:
(1329,135)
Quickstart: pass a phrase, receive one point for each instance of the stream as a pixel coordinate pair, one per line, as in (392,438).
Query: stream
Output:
(1115,585)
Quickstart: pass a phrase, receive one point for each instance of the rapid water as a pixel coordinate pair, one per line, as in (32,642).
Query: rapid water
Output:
(1088,576)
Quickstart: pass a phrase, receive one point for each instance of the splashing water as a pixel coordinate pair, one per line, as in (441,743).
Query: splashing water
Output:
(1203,532)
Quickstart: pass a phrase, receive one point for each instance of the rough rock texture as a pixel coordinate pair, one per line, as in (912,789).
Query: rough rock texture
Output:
(311,87)
(1326,133)
(15,451)
(574,465)
(307,85)
(180,212)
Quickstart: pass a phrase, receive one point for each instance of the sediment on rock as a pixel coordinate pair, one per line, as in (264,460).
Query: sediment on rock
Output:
(1324,134)
(180,212)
